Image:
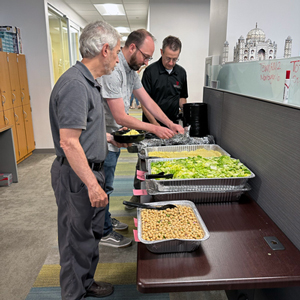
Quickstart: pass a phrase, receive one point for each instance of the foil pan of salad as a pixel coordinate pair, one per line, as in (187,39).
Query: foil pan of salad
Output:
(186,174)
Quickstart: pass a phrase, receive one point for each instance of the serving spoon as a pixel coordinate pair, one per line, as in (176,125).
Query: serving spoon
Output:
(141,205)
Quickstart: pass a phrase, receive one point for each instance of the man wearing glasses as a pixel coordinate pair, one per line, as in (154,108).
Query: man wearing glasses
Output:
(166,82)
(116,89)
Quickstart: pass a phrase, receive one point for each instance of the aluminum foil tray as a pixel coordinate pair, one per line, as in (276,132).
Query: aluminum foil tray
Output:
(213,196)
(194,184)
(144,153)
(173,245)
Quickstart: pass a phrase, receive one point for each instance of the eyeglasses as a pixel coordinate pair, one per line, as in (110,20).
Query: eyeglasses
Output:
(146,57)
(174,60)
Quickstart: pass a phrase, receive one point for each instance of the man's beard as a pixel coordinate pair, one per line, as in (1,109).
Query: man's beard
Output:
(107,69)
(133,63)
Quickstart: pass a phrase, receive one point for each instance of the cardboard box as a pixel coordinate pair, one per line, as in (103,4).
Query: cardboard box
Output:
(5,179)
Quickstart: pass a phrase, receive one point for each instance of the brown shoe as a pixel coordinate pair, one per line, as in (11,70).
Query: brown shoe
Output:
(100,289)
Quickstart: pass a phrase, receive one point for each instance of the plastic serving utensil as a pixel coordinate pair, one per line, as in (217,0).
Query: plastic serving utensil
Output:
(141,205)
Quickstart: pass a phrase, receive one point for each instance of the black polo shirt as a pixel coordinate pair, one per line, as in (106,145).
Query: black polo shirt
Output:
(164,88)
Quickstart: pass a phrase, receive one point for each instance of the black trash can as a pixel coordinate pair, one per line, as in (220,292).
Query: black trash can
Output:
(195,114)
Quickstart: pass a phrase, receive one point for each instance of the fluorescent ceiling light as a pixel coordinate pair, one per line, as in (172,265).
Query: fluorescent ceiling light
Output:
(124,38)
(123,29)
(110,9)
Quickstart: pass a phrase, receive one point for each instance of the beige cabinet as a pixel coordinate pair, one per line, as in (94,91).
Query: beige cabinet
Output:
(15,102)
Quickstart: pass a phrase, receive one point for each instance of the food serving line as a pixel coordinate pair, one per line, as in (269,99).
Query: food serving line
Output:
(245,248)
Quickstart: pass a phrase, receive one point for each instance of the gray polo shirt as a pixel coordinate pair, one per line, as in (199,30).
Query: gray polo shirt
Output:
(119,84)
(75,103)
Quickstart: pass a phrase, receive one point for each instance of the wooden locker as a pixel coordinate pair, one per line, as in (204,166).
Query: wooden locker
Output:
(2,122)
(5,88)
(23,79)
(14,79)
(28,128)
(9,119)
(20,129)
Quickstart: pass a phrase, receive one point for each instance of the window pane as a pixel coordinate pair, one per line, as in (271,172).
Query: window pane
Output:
(59,44)
(74,45)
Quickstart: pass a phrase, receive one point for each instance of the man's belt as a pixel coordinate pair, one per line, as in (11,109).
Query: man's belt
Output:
(93,165)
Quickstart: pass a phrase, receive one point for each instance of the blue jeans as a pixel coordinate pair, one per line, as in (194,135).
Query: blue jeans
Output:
(109,166)
(136,100)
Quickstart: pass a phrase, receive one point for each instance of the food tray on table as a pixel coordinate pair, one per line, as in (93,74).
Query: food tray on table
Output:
(198,196)
(144,153)
(195,184)
(176,244)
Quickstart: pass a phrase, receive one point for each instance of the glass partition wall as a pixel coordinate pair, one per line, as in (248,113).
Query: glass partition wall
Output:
(261,79)
(64,42)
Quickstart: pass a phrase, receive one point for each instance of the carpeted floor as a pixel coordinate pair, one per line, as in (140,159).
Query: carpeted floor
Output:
(28,239)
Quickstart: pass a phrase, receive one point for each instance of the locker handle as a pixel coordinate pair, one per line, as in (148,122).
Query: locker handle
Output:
(6,121)
(14,99)
(3,101)
(17,120)
(22,98)
(25,114)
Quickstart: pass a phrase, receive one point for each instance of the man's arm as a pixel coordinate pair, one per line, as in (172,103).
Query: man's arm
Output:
(69,141)
(181,102)
(150,118)
(118,111)
(155,110)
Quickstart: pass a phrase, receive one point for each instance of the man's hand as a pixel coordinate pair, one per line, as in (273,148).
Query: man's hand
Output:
(163,132)
(110,139)
(176,128)
(97,196)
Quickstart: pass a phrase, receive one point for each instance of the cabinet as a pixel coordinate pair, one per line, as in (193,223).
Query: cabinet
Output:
(15,107)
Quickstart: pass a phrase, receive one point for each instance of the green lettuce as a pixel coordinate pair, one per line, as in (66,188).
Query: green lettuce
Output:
(201,167)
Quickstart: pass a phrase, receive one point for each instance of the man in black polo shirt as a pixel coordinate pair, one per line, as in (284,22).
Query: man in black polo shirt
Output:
(166,82)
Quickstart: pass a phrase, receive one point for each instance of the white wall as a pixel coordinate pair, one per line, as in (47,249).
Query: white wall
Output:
(217,27)
(188,20)
(278,19)
(31,17)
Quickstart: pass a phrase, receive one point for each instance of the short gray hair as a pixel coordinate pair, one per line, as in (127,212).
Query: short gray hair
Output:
(94,36)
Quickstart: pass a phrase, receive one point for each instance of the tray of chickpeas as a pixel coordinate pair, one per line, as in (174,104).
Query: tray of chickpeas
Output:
(179,229)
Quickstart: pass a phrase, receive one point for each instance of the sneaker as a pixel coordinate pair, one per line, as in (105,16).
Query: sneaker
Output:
(117,225)
(116,240)
(135,199)
(100,289)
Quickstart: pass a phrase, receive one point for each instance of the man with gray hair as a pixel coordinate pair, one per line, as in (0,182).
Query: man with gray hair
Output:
(78,130)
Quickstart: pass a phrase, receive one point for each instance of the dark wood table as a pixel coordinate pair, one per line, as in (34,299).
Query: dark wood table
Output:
(236,255)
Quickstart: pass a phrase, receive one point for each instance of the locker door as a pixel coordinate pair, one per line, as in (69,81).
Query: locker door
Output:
(28,128)
(14,79)
(9,119)
(20,128)
(5,88)
(23,79)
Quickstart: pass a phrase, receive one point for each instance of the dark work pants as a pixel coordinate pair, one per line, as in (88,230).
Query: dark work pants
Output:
(80,228)
(109,166)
